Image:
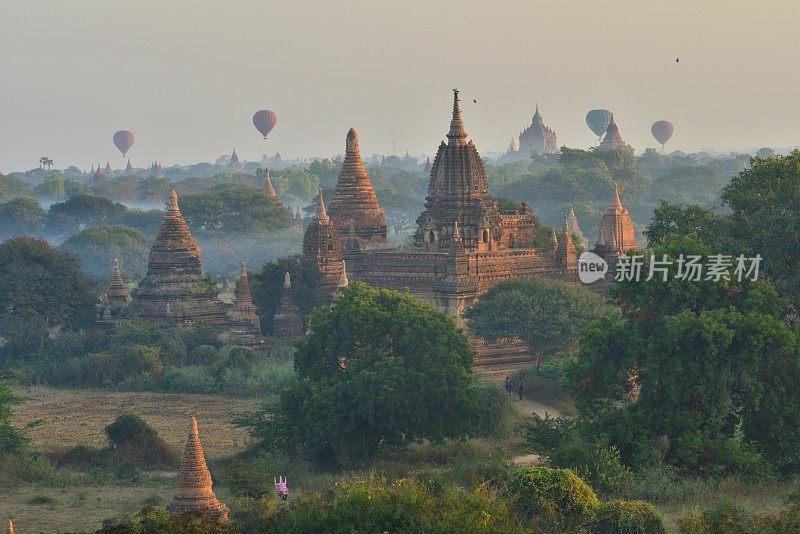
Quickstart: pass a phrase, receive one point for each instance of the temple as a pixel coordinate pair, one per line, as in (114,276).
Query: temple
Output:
(245,324)
(288,322)
(463,245)
(535,139)
(613,140)
(194,496)
(617,231)
(234,162)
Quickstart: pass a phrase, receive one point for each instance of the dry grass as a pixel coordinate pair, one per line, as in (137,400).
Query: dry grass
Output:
(70,417)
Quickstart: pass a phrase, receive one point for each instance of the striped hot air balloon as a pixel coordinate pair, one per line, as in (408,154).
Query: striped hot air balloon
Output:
(123,140)
(662,131)
(265,121)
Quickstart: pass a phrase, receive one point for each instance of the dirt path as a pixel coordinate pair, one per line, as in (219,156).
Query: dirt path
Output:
(528,408)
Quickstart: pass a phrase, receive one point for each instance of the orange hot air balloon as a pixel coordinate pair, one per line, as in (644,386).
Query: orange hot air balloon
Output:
(662,131)
(264,121)
(123,140)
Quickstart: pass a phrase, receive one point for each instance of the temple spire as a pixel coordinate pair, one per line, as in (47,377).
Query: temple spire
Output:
(268,185)
(457,135)
(10,527)
(287,281)
(616,202)
(343,282)
(554,240)
(117,292)
(322,214)
(193,489)
(173,203)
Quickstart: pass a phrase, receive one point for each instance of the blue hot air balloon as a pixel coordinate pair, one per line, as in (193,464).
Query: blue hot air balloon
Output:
(598,120)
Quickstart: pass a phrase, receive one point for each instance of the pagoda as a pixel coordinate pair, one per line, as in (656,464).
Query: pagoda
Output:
(458,192)
(297,221)
(322,246)
(617,231)
(537,138)
(234,162)
(117,294)
(129,168)
(288,323)
(194,496)
(268,185)
(245,325)
(175,289)
(343,282)
(574,227)
(354,204)
(613,140)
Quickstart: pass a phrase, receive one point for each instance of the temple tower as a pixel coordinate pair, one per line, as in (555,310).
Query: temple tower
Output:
(613,139)
(458,192)
(566,254)
(194,495)
(537,138)
(616,227)
(343,282)
(354,202)
(244,319)
(268,185)
(234,163)
(321,245)
(175,279)
(288,324)
(117,294)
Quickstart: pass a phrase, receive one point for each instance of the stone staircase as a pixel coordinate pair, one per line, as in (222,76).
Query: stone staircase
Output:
(497,360)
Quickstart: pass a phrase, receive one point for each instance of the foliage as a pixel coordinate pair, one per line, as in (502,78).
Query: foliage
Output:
(51,187)
(628,517)
(266,287)
(548,315)
(234,210)
(21,215)
(728,517)
(40,288)
(157,521)
(97,247)
(378,369)
(11,440)
(555,499)
(132,439)
(11,187)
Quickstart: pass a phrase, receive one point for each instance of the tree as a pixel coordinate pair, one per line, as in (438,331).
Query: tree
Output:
(40,288)
(267,287)
(87,210)
(11,441)
(378,369)
(51,187)
(548,315)
(46,162)
(23,215)
(11,187)
(97,247)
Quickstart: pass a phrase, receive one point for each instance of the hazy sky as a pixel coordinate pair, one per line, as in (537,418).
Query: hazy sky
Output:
(187,75)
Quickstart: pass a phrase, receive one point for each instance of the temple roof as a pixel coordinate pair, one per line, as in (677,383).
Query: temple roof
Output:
(613,140)
(193,488)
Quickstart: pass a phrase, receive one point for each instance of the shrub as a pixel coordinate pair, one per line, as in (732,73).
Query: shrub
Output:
(204,355)
(264,377)
(240,358)
(555,499)
(190,379)
(628,517)
(100,370)
(254,478)
(133,439)
(597,464)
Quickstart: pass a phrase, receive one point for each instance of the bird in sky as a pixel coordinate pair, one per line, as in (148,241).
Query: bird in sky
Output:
(677,60)
(474,101)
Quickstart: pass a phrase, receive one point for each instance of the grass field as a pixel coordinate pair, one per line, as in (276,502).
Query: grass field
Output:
(70,417)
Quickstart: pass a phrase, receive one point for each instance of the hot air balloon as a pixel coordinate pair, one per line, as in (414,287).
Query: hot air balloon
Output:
(598,120)
(662,131)
(123,140)
(265,121)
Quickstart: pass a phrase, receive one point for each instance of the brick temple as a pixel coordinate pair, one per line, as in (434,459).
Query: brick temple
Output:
(534,140)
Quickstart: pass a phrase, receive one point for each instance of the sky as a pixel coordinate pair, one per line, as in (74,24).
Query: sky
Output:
(186,76)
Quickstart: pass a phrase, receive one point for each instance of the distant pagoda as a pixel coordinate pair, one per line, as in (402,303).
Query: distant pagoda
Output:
(234,162)
(175,289)
(117,293)
(129,168)
(194,496)
(354,204)
(323,247)
(537,138)
(613,140)
(574,227)
(617,231)
(268,185)
(288,322)
(245,325)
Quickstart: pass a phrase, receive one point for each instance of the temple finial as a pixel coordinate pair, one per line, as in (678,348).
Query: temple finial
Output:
(322,213)
(287,280)
(243,270)
(352,142)
(616,202)
(457,134)
(173,201)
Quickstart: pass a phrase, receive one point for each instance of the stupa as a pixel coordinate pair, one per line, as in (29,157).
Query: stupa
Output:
(617,230)
(343,282)
(245,325)
(613,139)
(354,204)
(321,245)
(117,294)
(288,323)
(574,227)
(175,279)
(268,185)
(194,495)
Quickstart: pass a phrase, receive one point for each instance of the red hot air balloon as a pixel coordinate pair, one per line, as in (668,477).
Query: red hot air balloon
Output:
(123,140)
(265,121)
(662,131)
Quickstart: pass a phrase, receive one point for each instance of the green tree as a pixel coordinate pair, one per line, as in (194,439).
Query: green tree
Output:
(267,287)
(40,288)
(11,440)
(51,187)
(23,215)
(97,247)
(549,315)
(11,187)
(378,369)
(85,210)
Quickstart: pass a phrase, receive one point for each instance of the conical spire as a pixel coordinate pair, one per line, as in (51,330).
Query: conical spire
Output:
(343,281)
(243,295)
(568,235)
(193,488)
(117,292)
(10,527)
(288,322)
(456,232)
(601,240)
(554,240)
(322,214)
(457,134)
(129,167)
(268,185)
(616,202)
(287,280)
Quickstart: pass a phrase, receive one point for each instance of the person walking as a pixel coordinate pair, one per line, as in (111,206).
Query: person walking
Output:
(519,388)
(509,385)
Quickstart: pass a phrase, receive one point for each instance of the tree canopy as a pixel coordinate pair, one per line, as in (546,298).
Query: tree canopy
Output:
(97,247)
